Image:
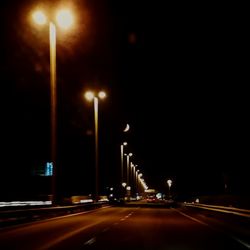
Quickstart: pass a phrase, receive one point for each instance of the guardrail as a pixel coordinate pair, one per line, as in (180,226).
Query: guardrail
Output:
(13,217)
(222,209)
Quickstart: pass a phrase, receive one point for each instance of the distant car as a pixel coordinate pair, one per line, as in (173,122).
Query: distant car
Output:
(152,199)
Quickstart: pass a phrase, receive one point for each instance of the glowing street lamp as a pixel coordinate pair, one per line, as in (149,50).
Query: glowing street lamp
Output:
(64,19)
(134,176)
(122,161)
(136,179)
(128,156)
(169,182)
(90,96)
(39,17)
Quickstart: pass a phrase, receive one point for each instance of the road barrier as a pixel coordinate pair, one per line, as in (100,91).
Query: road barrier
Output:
(222,209)
(13,217)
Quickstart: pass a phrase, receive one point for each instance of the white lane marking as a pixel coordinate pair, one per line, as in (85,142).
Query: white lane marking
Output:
(91,241)
(245,244)
(241,242)
(73,214)
(192,218)
(67,235)
(51,219)
(126,217)
(69,215)
(105,207)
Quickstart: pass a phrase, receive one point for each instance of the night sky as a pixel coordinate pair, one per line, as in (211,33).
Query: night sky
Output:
(175,72)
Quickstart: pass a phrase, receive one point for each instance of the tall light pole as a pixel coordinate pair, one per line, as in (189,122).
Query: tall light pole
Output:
(136,180)
(128,156)
(123,183)
(122,160)
(128,187)
(169,182)
(64,19)
(134,177)
(133,166)
(90,96)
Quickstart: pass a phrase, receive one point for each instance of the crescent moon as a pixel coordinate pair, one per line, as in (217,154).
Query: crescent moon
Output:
(126,128)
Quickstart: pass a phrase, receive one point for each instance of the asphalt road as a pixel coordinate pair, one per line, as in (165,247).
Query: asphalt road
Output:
(121,228)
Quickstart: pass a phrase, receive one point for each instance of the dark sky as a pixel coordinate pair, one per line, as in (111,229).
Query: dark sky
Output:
(175,72)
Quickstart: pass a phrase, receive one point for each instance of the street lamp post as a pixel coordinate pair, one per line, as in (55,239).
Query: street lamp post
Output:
(132,166)
(64,19)
(122,160)
(136,180)
(140,182)
(123,184)
(128,187)
(53,101)
(169,182)
(128,156)
(91,96)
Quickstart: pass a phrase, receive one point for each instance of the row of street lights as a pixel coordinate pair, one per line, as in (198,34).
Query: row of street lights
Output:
(131,178)
(64,19)
(122,160)
(132,174)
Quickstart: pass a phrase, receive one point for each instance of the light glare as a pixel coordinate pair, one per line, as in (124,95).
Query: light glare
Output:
(39,17)
(102,94)
(169,183)
(64,18)
(89,95)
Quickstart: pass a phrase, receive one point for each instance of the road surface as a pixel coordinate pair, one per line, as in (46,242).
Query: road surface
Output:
(122,228)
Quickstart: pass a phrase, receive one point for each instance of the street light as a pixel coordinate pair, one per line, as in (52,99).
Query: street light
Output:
(136,179)
(169,182)
(122,161)
(134,176)
(64,19)
(128,156)
(128,187)
(90,96)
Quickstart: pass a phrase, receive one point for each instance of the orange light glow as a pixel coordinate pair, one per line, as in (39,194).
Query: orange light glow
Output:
(101,94)
(39,17)
(89,95)
(64,18)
